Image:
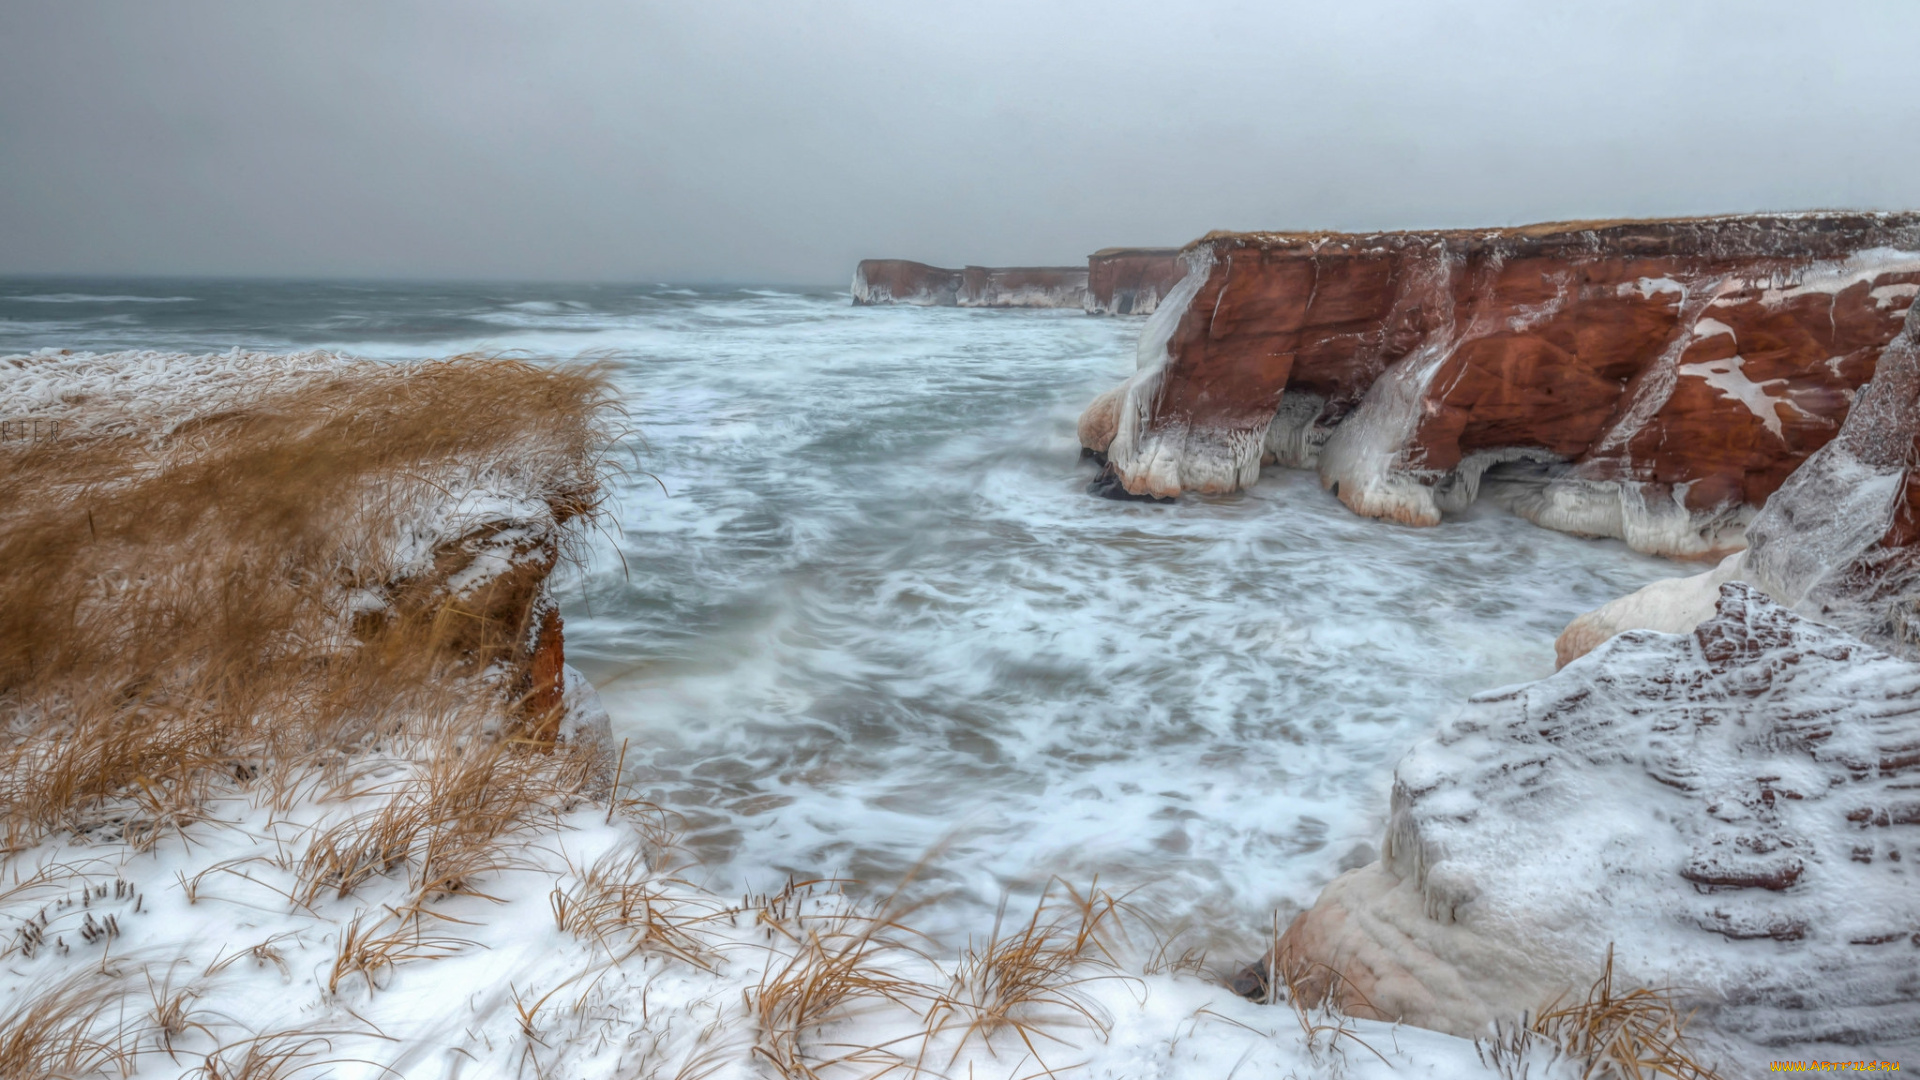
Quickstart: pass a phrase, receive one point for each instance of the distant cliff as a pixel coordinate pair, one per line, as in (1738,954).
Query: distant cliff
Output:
(1132,281)
(1650,380)
(900,281)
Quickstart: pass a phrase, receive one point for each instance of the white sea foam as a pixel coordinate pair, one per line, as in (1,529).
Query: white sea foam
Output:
(878,615)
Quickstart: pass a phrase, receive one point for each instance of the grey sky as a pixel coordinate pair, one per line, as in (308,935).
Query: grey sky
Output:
(781,141)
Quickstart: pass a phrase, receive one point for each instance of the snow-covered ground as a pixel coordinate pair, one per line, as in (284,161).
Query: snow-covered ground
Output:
(584,949)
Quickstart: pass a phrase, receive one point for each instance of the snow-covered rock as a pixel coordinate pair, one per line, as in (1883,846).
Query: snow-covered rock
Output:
(1735,810)
(1671,606)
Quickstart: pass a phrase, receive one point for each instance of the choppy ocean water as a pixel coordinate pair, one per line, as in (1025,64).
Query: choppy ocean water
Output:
(856,615)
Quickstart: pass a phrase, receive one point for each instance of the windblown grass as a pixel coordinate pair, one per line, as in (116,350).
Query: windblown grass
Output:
(1637,1034)
(77,1027)
(835,962)
(204,588)
(1027,984)
(444,821)
(624,903)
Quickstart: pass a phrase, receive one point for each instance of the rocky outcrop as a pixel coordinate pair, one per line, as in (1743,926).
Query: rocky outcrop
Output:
(1132,281)
(1839,542)
(1732,810)
(900,281)
(1652,380)
(484,601)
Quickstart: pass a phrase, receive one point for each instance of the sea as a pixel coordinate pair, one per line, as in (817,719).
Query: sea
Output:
(855,616)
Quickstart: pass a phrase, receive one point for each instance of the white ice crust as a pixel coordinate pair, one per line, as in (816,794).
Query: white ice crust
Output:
(1731,810)
(1173,456)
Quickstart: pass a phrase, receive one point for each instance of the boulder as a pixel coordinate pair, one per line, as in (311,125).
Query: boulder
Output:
(1650,380)
(1733,810)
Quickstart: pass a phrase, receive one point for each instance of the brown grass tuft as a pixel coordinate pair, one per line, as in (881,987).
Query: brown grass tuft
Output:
(1636,1035)
(463,795)
(625,904)
(839,961)
(1026,983)
(371,955)
(172,1014)
(77,1027)
(278,1055)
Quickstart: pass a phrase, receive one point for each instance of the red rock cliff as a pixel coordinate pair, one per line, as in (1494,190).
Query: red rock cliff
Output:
(1652,380)
(1132,281)
(900,281)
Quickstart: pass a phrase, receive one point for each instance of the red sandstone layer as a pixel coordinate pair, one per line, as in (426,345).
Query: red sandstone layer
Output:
(902,281)
(1132,281)
(1838,543)
(1653,380)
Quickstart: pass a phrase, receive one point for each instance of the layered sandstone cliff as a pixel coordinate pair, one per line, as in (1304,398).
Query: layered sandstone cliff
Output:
(1839,542)
(902,281)
(1132,281)
(1731,810)
(1652,380)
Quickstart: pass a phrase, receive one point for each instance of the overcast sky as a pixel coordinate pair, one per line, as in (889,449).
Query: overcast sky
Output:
(711,140)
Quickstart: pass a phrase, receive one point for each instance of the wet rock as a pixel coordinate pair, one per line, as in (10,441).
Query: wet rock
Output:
(1132,281)
(1839,542)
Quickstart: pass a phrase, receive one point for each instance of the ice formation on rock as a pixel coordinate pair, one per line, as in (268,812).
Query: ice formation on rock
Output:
(1653,381)
(1734,810)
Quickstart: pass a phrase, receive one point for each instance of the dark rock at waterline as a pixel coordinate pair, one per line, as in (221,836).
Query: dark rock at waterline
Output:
(1108,486)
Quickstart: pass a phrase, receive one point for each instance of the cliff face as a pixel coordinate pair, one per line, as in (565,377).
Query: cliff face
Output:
(1132,281)
(1652,380)
(1839,542)
(900,281)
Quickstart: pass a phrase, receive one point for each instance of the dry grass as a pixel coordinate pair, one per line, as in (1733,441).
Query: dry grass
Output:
(1638,1034)
(625,903)
(371,955)
(173,1013)
(839,961)
(77,1027)
(175,618)
(257,586)
(279,1055)
(444,821)
(1027,983)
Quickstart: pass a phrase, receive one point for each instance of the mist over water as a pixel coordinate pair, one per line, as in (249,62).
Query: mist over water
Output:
(857,614)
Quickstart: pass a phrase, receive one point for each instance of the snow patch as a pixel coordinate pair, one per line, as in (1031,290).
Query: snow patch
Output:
(1834,277)
(1731,381)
